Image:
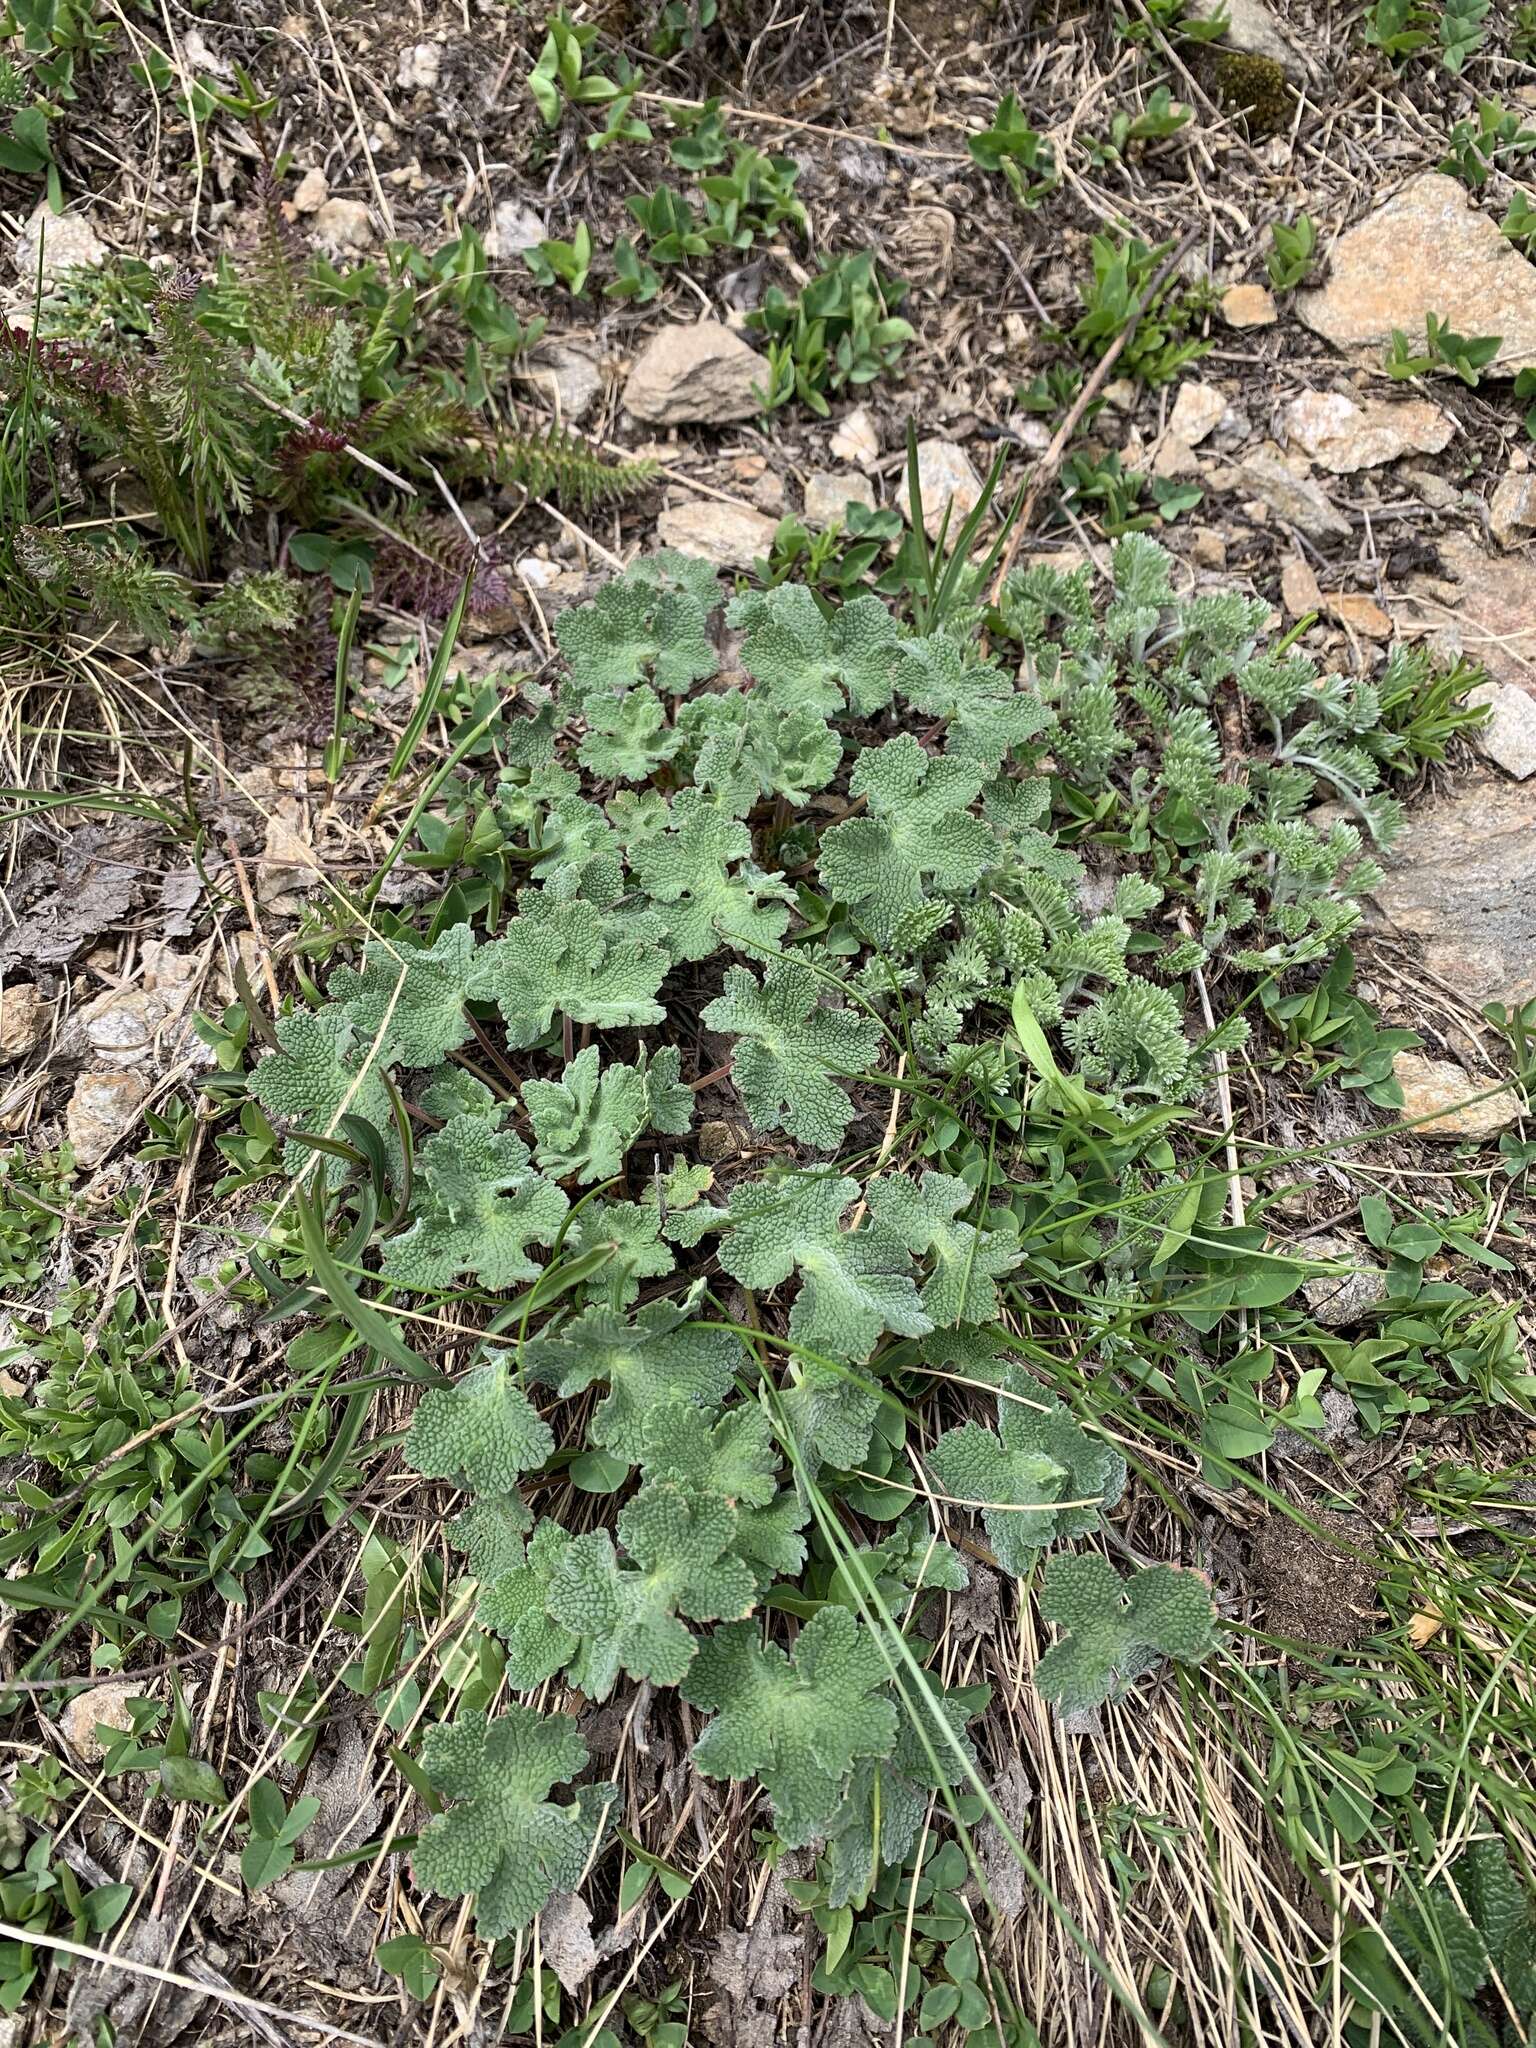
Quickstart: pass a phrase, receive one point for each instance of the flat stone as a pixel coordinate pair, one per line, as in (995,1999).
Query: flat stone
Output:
(1175,457)
(1207,549)
(1198,410)
(103,1706)
(701,374)
(1439,1090)
(311,192)
(23,1020)
(1360,614)
(1430,249)
(1299,591)
(52,243)
(856,438)
(1339,1300)
(946,478)
(420,66)
(1344,435)
(287,863)
(730,536)
(1488,613)
(1509,737)
(514,228)
(1462,879)
(1512,509)
(829,492)
(569,377)
(341,225)
(102,1110)
(1253,30)
(121,1024)
(1298,500)
(1249,305)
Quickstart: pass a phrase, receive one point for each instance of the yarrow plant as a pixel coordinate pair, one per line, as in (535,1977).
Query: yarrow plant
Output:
(824,905)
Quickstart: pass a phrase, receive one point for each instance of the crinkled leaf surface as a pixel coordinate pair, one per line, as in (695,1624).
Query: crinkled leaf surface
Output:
(481,1207)
(660,1357)
(919,835)
(315,1078)
(502,1838)
(807,659)
(1115,1628)
(627,1616)
(585,1122)
(652,621)
(853,1284)
(799,1723)
(516,1606)
(484,1433)
(572,958)
(410,998)
(789,1047)
(965,1263)
(708,889)
(1039,1456)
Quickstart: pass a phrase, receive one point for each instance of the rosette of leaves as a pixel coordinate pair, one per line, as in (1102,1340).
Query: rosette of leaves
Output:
(1014,1477)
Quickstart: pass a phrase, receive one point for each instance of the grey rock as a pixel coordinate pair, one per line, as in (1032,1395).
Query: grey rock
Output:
(1509,737)
(1344,434)
(947,481)
(730,536)
(1430,249)
(568,376)
(102,1110)
(829,492)
(1298,500)
(701,374)
(1339,1300)
(1462,879)
(1253,29)
(53,243)
(514,228)
(1512,509)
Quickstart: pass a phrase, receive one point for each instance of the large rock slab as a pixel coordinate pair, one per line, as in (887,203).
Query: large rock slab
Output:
(699,375)
(1462,880)
(1343,434)
(1430,249)
(1486,610)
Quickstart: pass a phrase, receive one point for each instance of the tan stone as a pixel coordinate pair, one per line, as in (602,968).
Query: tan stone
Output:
(1197,411)
(1361,614)
(856,438)
(342,225)
(311,192)
(1248,305)
(829,492)
(23,1020)
(696,374)
(1509,736)
(1439,1090)
(1299,591)
(1430,249)
(1512,509)
(1298,500)
(1345,435)
(730,536)
(105,1706)
(947,481)
(1461,878)
(1488,613)
(1207,549)
(101,1112)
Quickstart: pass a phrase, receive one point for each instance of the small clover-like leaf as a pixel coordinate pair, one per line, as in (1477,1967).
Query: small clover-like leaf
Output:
(853,1284)
(502,1839)
(484,1433)
(1038,1457)
(482,1206)
(919,835)
(799,1723)
(628,1618)
(967,1263)
(1117,1628)
(574,958)
(789,1046)
(709,891)
(653,620)
(316,1077)
(410,998)
(660,1357)
(516,1606)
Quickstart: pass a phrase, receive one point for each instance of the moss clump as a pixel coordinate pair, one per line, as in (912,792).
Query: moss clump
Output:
(1255,87)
